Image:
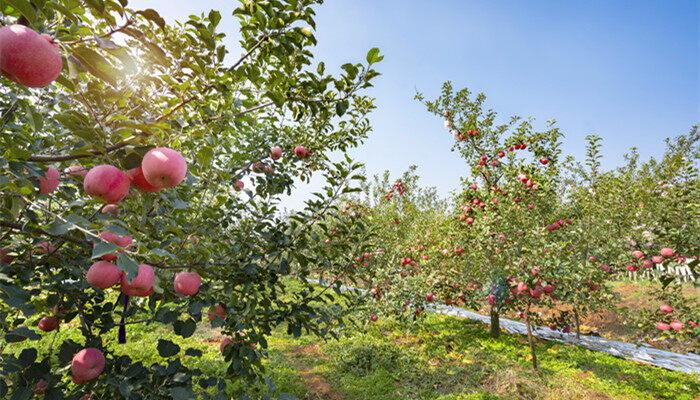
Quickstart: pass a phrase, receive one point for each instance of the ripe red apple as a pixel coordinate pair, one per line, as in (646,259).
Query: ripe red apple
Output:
(140,181)
(663,326)
(27,57)
(657,259)
(595,287)
(275,153)
(637,254)
(76,170)
(530,207)
(647,264)
(46,248)
(544,161)
(163,167)
(107,182)
(224,343)
(258,167)
(666,309)
(87,365)
(429,297)
(123,242)
(373,318)
(501,154)
(142,285)
(677,325)
(300,151)
(216,311)
(103,275)
(666,252)
(522,287)
(239,186)
(50,182)
(39,388)
(112,209)
(470,221)
(187,283)
(47,324)
(491,299)
(4,257)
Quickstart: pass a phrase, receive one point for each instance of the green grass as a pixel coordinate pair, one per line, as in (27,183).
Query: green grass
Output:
(440,357)
(447,358)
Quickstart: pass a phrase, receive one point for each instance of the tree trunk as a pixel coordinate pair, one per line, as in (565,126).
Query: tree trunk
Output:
(530,339)
(578,326)
(495,323)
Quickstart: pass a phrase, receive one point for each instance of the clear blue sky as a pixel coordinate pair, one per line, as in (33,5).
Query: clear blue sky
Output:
(628,71)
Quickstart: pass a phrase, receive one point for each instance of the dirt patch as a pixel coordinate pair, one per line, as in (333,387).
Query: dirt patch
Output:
(316,385)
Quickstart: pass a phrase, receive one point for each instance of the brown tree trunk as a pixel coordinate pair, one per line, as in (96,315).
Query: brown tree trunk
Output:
(495,323)
(530,339)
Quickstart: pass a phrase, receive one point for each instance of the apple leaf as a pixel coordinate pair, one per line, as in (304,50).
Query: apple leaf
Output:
(103,248)
(166,348)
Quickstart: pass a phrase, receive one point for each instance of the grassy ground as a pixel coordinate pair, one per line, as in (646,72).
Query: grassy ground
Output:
(440,358)
(448,359)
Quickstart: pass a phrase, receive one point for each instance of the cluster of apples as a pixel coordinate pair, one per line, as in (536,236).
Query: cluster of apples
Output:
(398,186)
(664,254)
(521,288)
(676,325)
(558,224)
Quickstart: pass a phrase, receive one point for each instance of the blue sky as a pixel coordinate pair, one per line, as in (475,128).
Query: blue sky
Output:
(628,71)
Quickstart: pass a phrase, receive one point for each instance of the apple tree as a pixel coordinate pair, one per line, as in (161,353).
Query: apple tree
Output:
(142,169)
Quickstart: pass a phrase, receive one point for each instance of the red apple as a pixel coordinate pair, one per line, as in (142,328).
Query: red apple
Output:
(112,209)
(666,309)
(123,242)
(657,259)
(544,161)
(50,182)
(4,257)
(300,151)
(216,311)
(87,365)
(39,388)
(637,254)
(373,318)
(103,275)
(275,153)
(107,182)
(239,186)
(187,283)
(27,57)
(47,324)
(142,285)
(224,343)
(46,248)
(666,252)
(548,289)
(677,325)
(663,326)
(163,167)
(429,297)
(140,181)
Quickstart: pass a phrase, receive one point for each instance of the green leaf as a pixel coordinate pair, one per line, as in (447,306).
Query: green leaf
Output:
(25,8)
(341,107)
(182,393)
(373,56)
(166,348)
(185,328)
(152,15)
(204,155)
(131,267)
(103,248)
(96,64)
